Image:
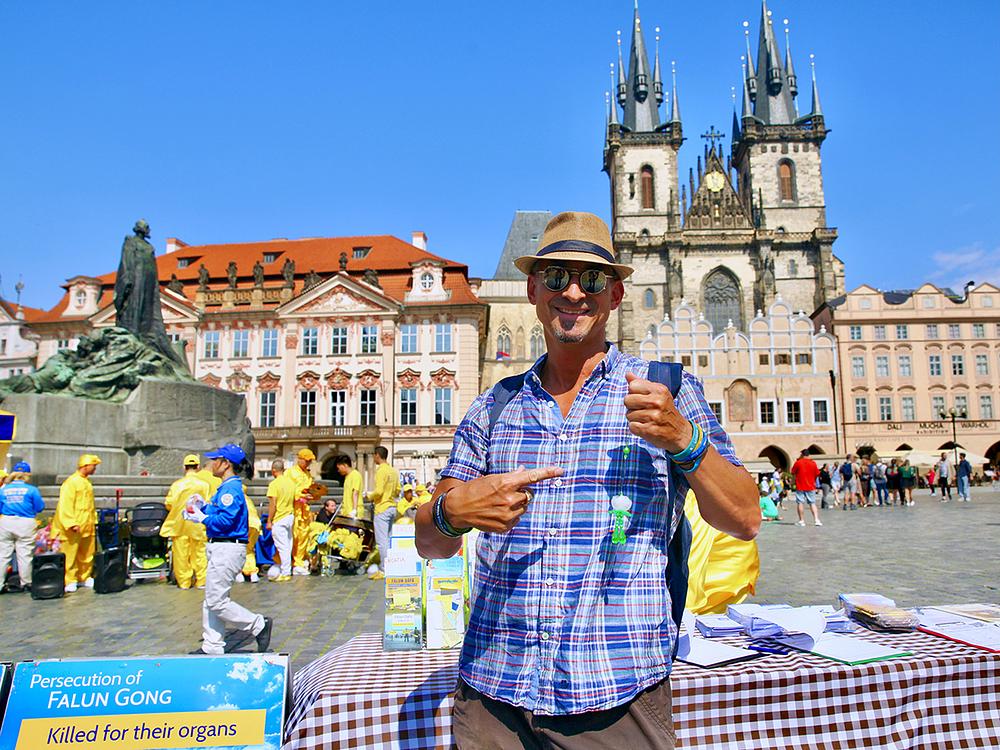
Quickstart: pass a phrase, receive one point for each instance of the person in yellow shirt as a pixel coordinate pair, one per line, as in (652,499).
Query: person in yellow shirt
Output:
(384,496)
(423,496)
(188,559)
(280,517)
(353,492)
(75,523)
(410,501)
(207,476)
(253,519)
(303,480)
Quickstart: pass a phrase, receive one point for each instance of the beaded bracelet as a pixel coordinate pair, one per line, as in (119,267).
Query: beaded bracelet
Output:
(685,454)
(694,455)
(441,522)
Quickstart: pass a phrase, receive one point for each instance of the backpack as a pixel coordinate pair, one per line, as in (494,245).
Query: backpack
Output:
(670,375)
(847,471)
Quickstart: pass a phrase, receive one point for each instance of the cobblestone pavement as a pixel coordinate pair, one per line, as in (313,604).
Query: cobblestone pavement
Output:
(933,553)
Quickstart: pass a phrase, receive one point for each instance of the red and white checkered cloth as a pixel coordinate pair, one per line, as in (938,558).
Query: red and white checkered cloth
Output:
(945,696)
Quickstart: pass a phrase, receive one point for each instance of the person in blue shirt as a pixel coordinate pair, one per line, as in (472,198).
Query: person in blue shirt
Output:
(227,526)
(20,502)
(963,474)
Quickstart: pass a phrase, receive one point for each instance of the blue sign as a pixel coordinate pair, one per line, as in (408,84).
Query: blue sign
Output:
(232,701)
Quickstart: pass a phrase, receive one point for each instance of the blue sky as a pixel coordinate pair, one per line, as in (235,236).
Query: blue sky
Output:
(236,121)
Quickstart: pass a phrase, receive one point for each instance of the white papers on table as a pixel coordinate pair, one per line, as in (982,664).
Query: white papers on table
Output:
(942,621)
(703,652)
(718,626)
(764,621)
(842,648)
(984,612)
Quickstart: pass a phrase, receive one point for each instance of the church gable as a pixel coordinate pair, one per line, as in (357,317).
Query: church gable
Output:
(714,202)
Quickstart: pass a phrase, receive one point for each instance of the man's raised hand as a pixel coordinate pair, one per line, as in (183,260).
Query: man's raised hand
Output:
(495,502)
(651,415)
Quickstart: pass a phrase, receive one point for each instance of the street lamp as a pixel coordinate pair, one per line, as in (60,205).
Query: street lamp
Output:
(954,414)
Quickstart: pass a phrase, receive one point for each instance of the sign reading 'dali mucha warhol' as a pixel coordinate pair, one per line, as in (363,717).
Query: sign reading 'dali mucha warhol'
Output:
(233,701)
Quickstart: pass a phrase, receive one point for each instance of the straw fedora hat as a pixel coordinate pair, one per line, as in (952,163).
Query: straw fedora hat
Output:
(575,235)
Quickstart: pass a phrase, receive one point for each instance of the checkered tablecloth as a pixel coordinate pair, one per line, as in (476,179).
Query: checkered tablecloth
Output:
(945,696)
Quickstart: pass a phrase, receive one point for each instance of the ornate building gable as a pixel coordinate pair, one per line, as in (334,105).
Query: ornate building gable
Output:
(714,201)
(339,295)
(444,378)
(307,381)
(176,309)
(268,382)
(209,379)
(238,381)
(338,379)
(409,378)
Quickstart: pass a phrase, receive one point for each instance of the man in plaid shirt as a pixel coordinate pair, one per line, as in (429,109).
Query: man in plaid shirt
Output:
(571,636)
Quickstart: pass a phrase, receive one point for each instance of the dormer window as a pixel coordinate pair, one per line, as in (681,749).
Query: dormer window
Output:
(361,252)
(80,297)
(426,281)
(185,262)
(270,257)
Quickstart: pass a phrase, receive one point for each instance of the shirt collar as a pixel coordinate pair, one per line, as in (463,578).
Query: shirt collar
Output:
(605,368)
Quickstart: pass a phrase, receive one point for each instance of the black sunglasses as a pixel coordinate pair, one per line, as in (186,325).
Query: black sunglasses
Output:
(592,280)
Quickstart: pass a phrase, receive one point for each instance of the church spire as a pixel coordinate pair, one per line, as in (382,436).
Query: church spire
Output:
(613,113)
(749,74)
(793,86)
(657,81)
(817,110)
(675,104)
(773,104)
(641,113)
(622,86)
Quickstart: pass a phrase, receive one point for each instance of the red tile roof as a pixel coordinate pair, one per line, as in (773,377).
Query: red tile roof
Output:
(30,313)
(389,256)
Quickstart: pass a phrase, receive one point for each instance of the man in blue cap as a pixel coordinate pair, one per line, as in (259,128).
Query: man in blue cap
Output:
(20,502)
(227,527)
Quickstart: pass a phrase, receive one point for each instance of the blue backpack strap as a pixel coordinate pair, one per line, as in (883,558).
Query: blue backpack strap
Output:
(503,392)
(671,375)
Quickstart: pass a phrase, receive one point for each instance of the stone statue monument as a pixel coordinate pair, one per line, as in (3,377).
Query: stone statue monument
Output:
(288,272)
(231,274)
(258,274)
(203,277)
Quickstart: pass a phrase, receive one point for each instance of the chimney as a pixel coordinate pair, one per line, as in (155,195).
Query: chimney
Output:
(419,240)
(174,244)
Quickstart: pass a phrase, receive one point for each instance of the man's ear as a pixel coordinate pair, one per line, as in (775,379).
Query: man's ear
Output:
(617,293)
(532,289)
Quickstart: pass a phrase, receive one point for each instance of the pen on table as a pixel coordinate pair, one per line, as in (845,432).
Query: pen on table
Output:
(766,649)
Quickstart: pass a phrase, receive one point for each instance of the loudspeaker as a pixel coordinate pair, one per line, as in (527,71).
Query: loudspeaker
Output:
(109,571)
(48,574)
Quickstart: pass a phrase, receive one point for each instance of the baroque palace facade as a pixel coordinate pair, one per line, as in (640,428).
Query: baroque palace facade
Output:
(338,344)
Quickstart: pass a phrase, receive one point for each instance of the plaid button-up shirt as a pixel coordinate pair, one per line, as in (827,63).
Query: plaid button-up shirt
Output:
(563,621)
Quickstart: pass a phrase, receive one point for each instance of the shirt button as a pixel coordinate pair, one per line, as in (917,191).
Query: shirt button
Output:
(562,436)
(553,531)
(549,581)
(558,483)
(543,635)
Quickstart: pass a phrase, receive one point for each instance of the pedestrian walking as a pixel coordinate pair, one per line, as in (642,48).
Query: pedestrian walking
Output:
(908,478)
(280,516)
(20,502)
(943,469)
(187,548)
(880,481)
(865,481)
(836,483)
(893,483)
(849,478)
(805,472)
(385,497)
(227,526)
(825,486)
(962,474)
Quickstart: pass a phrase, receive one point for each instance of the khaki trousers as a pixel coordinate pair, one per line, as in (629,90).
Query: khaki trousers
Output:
(482,723)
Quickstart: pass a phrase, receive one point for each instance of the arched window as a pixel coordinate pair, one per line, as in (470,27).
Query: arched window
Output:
(537,343)
(793,268)
(649,299)
(786,180)
(722,300)
(519,344)
(646,187)
(503,343)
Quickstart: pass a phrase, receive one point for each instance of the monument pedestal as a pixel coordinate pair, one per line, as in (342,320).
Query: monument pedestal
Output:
(152,430)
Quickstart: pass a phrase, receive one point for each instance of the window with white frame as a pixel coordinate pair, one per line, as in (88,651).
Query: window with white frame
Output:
(954,331)
(934,365)
(885,408)
(367,413)
(766,412)
(408,338)
(880,332)
(860,408)
(64,344)
(338,408)
(211,345)
(958,364)
(426,281)
(937,406)
(882,366)
(858,367)
(269,342)
(962,405)
(978,331)
(985,406)
(338,340)
(855,332)
(905,366)
(268,405)
(310,341)
(716,407)
(902,331)
(408,406)
(442,337)
(821,411)
(793,411)
(307,408)
(908,407)
(241,343)
(932,331)
(982,364)
(442,406)
(369,339)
